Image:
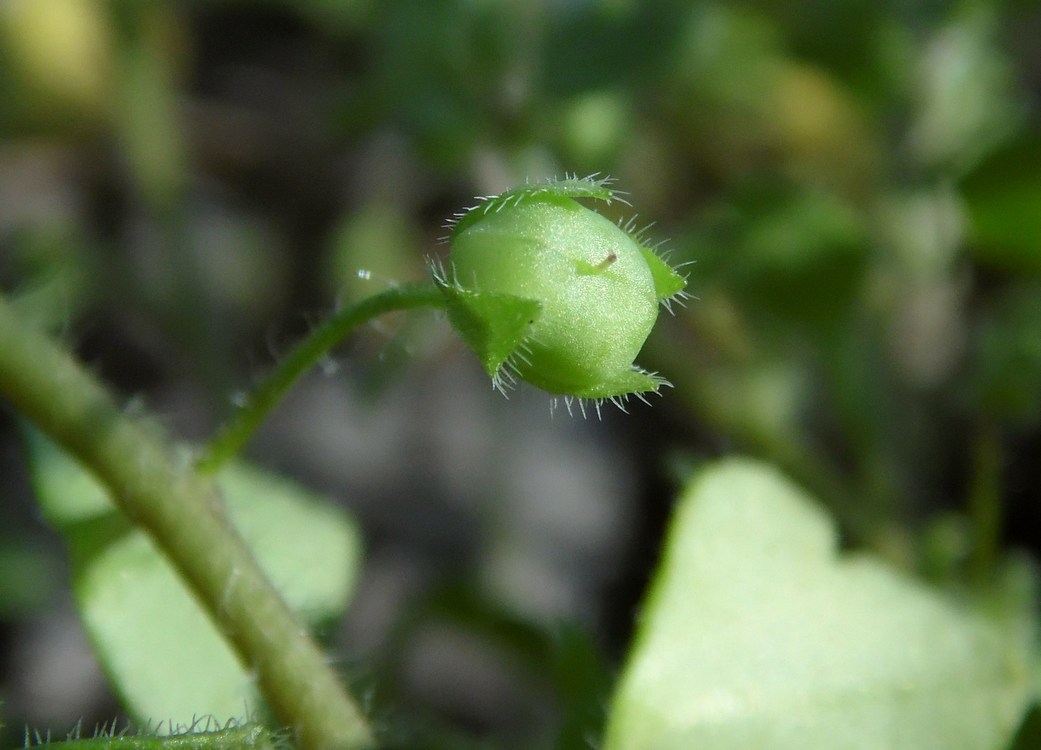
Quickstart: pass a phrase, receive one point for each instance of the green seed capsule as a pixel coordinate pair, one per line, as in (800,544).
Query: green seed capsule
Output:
(548,291)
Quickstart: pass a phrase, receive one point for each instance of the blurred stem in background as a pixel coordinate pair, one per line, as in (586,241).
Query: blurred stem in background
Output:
(985,503)
(153,132)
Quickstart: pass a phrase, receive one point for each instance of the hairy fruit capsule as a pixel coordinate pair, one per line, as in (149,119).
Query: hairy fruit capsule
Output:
(548,291)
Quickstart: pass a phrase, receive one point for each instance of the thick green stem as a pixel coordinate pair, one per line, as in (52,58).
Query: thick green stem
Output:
(252,411)
(179,508)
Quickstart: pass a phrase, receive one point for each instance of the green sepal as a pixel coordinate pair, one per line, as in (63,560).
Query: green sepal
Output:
(493,325)
(667,283)
(624,383)
(568,188)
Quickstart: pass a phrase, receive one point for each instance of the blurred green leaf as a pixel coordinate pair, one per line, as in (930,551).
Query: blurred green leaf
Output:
(856,28)
(147,116)
(594,128)
(583,683)
(29,575)
(798,254)
(67,494)
(1005,378)
(56,64)
(757,635)
(162,653)
(595,45)
(1029,736)
(966,102)
(439,71)
(1003,197)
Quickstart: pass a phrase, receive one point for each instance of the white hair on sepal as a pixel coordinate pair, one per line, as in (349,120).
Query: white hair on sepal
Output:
(570,186)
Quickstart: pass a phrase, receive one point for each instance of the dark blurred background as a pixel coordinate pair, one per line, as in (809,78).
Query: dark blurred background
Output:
(186,187)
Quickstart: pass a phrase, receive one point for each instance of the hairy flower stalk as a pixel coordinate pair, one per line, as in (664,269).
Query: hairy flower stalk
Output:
(548,291)
(542,288)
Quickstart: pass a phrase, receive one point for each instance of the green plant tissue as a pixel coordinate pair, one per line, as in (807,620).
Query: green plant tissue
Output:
(159,648)
(758,634)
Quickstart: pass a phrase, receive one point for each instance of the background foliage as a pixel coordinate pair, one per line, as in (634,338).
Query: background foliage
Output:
(186,186)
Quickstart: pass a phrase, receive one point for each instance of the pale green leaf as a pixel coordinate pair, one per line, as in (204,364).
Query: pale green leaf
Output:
(758,634)
(67,494)
(159,648)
